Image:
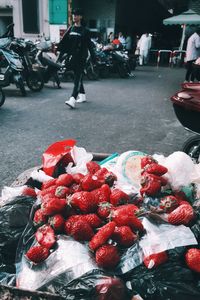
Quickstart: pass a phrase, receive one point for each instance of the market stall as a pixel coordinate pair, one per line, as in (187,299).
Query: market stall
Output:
(120,226)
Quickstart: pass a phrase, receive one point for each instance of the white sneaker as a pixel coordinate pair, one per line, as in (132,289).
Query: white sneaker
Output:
(81,98)
(71,102)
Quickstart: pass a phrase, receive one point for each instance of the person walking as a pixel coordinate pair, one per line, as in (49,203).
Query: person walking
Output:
(192,53)
(76,43)
(144,45)
(128,44)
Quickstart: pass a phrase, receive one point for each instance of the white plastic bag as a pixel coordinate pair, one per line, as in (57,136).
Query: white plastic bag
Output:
(80,157)
(180,168)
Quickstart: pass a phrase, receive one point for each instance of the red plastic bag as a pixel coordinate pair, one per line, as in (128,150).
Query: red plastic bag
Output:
(55,153)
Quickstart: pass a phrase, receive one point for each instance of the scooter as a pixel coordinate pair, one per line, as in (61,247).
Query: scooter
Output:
(32,76)
(11,69)
(186,104)
(47,61)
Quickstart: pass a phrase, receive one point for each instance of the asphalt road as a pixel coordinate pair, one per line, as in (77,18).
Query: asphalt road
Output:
(120,115)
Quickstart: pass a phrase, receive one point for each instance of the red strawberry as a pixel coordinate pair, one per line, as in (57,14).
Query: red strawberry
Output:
(53,206)
(37,254)
(39,218)
(45,236)
(84,201)
(46,198)
(155,260)
(101,173)
(92,167)
(62,191)
(145,177)
(151,186)
(50,191)
(65,180)
(125,219)
(168,203)
(147,160)
(124,236)
(102,194)
(90,182)
(81,231)
(93,220)
(127,209)
(110,288)
(107,256)
(102,236)
(104,210)
(47,184)
(156,169)
(74,188)
(118,197)
(77,177)
(57,222)
(183,214)
(28,191)
(192,258)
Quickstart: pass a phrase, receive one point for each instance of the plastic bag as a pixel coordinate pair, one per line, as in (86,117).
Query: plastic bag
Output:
(162,237)
(177,175)
(80,157)
(57,156)
(13,219)
(171,280)
(95,285)
(70,272)
(70,260)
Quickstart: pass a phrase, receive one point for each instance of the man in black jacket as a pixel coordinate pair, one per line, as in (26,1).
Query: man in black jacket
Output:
(76,42)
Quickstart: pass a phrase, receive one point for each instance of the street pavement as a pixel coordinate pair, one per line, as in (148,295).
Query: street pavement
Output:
(120,115)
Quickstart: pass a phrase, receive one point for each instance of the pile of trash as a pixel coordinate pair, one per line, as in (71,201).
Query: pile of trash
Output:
(127,227)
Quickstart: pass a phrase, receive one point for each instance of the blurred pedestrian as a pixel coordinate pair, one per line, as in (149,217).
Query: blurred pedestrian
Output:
(76,43)
(144,45)
(121,38)
(192,53)
(110,37)
(128,44)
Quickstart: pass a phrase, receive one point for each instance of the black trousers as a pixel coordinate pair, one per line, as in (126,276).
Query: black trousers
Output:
(190,76)
(78,68)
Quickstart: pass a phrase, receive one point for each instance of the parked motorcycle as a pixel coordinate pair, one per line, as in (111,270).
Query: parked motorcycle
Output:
(186,104)
(118,61)
(11,69)
(47,61)
(31,76)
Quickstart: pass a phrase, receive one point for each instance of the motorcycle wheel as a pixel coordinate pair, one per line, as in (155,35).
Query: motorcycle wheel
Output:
(35,82)
(2,97)
(122,70)
(92,73)
(192,147)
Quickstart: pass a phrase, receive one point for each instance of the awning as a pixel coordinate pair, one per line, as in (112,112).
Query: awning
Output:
(188,17)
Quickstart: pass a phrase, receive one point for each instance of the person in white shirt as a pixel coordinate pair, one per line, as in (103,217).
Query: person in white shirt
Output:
(192,53)
(144,45)
(121,38)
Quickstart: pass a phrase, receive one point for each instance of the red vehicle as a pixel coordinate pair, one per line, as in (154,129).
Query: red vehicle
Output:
(186,105)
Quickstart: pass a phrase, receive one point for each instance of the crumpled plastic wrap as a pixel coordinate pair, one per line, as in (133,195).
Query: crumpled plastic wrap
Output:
(14,217)
(162,237)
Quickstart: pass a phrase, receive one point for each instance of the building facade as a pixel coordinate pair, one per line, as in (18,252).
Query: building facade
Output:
(31,18)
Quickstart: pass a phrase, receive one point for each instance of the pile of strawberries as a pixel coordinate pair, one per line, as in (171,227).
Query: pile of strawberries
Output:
(89,209)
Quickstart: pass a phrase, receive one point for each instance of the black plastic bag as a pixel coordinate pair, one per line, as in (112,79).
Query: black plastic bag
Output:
(170,281)
(95,285)
(14,217)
